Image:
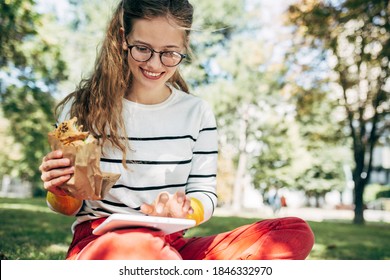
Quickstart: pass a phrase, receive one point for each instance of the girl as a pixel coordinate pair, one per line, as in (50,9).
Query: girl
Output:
(163,142)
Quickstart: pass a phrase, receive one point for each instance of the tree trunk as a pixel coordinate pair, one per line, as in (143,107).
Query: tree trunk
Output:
(359,178)
(238,184)
(242,161)
(359,205)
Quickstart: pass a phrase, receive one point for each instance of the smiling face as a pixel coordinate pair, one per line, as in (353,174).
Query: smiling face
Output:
(159,34)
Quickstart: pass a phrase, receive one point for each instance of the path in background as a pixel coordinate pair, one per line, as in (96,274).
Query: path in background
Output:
(308,214)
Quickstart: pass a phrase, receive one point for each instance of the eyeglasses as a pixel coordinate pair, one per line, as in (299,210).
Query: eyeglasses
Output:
(143,53)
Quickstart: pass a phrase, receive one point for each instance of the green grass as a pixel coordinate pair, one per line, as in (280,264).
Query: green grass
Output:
(30,231)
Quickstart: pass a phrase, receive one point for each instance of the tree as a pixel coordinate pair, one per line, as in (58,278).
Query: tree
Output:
(215,24)
(351,39)
(82,30)
(30,68)
(246,99)
(322,136)
(256,124)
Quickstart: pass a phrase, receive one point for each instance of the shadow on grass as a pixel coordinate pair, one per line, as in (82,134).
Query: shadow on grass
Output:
(29,235)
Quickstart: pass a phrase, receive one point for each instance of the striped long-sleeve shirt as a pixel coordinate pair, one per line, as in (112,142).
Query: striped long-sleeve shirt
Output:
(173,147)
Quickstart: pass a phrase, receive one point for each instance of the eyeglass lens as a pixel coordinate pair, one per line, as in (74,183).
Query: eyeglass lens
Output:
(168,58)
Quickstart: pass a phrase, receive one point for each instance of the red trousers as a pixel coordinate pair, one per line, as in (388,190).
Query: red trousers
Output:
(282,238)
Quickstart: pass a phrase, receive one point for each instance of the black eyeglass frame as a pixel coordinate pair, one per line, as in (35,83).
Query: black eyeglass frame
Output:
(152,52)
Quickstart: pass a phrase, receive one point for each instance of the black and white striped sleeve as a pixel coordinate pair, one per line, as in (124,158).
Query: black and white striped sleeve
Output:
(203,175)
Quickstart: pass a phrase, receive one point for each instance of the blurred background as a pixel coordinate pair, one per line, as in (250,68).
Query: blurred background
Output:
(300,90)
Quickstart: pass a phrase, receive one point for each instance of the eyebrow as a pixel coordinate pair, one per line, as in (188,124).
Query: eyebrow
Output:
(149,45)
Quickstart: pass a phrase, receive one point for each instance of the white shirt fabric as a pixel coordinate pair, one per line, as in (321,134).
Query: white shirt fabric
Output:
(174,147)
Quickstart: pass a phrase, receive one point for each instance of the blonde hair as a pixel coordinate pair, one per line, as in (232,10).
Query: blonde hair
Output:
(97,101)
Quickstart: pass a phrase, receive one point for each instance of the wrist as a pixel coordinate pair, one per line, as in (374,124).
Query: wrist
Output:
(198,211)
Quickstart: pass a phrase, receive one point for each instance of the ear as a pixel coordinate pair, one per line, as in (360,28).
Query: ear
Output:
(122,35)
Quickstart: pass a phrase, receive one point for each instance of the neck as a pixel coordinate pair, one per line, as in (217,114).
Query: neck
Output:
(148,96)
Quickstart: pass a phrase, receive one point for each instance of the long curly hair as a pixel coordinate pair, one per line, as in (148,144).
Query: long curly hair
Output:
(97,100)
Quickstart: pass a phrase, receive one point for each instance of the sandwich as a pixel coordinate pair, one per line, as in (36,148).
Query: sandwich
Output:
(71,134)
(87,182)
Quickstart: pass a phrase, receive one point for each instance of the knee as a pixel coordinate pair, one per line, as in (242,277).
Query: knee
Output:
(304,228)
(297,225)
(301,235)
(286,238)
(125,244)
(288,225)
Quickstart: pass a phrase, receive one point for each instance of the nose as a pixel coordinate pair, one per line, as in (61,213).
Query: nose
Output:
(155,60)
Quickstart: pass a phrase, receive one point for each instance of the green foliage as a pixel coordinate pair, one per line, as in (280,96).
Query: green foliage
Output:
(80,34)
(372,191)
(17,21)
(320,121)
(29,132)
(30,68)
(281,158)
(322,137)
(215,22)
(349,46)
(385,193)
(283,152)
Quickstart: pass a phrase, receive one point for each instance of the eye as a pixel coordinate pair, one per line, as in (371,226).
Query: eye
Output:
(171,54)
(142,49)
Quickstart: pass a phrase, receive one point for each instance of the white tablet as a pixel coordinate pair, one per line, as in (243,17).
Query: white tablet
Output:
(122,221)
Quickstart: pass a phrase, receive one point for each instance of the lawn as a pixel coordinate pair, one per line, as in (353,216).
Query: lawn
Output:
(30,231)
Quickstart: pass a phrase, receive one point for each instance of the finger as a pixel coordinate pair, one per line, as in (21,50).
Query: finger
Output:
(180,197)
(187,206)
(54,163)
(161,201)
(53,184)
(147,209)
(163,197)
(50,156)
(53,155)
(159,207)
(55,173)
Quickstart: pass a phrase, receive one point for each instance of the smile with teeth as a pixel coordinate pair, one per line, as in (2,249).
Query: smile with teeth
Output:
(152,74)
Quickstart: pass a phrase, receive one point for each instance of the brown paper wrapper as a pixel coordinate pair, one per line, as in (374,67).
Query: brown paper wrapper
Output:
(87,182)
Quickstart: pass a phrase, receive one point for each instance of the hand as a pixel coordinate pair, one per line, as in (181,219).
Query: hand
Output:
(56,170)
(177,205)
